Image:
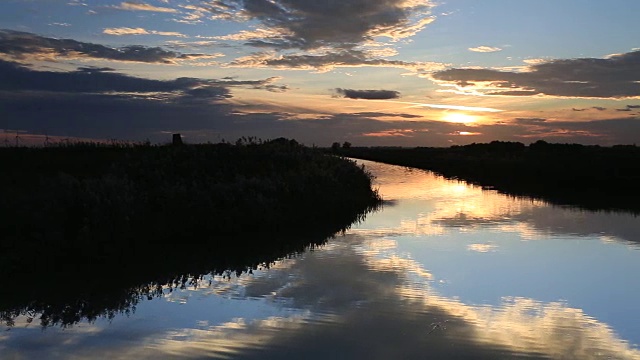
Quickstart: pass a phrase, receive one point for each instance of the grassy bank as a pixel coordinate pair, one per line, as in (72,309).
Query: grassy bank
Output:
(591,177)
(90,229)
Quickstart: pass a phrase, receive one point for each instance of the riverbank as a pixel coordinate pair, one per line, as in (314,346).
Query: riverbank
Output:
(590,177)
(89,229)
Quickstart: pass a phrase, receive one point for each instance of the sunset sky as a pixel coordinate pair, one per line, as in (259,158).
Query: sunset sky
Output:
(371,72)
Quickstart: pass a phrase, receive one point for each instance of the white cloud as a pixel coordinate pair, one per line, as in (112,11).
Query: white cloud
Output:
(485,49)
(534,61)
(138,6)
(139,31)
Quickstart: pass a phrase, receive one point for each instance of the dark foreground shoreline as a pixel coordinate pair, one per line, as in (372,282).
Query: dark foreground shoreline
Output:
(89,230)
(588,177)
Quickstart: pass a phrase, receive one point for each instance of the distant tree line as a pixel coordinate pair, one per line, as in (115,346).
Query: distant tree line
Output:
(588,176)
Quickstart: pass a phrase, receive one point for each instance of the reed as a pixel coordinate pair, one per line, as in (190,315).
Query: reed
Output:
(114,221)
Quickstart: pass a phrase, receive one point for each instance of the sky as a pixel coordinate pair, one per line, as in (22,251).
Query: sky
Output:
(370,72)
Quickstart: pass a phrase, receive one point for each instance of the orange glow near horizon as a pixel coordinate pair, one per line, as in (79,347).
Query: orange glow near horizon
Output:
(467,133)
(459,118)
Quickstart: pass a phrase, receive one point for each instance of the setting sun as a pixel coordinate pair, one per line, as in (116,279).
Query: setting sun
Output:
(460,118)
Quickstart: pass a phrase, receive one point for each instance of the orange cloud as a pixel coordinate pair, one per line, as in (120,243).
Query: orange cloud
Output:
(392,133)
(135,6)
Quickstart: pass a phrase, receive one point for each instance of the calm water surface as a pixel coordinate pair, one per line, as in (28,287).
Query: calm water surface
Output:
(444,270)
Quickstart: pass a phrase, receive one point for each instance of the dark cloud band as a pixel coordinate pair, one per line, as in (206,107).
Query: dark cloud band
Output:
(368,94)
(617,76)
(18,45)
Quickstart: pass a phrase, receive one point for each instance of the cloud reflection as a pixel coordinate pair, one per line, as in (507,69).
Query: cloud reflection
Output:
(360,303)
(363,296)
(441,205)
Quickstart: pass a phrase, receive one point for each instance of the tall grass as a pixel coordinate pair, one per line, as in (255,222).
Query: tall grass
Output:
(104,221)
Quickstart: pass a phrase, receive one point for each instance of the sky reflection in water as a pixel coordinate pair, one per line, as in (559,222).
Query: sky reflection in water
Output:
(443,270)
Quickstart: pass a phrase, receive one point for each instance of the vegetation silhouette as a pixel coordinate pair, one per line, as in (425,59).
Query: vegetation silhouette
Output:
(588,177)
(88,230)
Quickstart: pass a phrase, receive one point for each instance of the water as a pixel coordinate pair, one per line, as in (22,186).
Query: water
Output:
(444,270)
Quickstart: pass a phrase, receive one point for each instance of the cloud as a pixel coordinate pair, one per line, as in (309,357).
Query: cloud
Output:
(387,115)
(205,94)
(368,94)
(125,31)
(139,31)
(611,131)
(101,103)
(598,108)
(466,133)
(616,76)
(140,6)
(249,35)
(449,106)
(629,108)
(391,133)
(534,61)
(265,84)
(108,116)
(103,80)
(88,80)
(214,10)
(311,35)
(330,60)
(22,46)
(602,132)
(485,49)
(307,24)
(177,44)
(529,121)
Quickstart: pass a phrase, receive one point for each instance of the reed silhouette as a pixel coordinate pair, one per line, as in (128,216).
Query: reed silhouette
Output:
(88,230)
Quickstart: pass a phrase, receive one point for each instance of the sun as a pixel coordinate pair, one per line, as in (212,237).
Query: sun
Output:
(460,118)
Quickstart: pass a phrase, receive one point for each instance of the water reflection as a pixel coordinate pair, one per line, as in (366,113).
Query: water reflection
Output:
(81,291)
(446,271)
(441,204)
(356,301)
